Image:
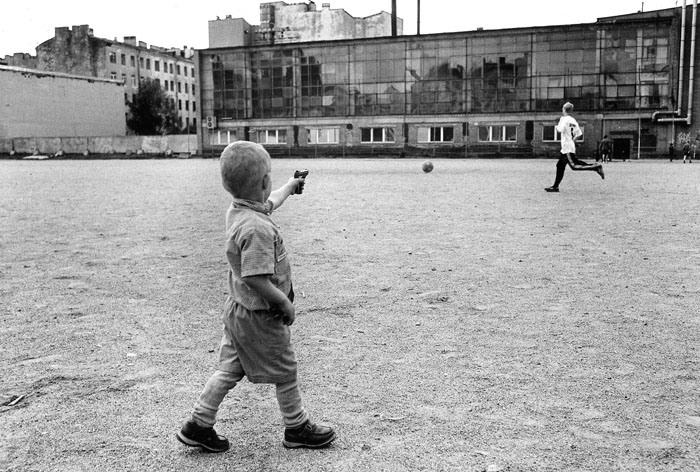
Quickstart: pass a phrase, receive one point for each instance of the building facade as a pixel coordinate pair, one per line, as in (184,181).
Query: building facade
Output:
(48,104)
(476,93)
(282,23)
(77,51)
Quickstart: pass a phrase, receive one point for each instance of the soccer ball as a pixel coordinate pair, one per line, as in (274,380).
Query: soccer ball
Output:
(427,166)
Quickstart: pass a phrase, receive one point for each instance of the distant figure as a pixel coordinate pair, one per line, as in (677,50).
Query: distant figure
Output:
(671,151)
(688,152)
(570,131)
(605,148)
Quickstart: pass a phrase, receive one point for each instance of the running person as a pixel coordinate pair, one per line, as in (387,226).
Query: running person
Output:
(570,131)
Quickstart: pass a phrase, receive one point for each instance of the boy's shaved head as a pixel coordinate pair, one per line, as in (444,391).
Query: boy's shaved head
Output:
(568,106)
(243,166)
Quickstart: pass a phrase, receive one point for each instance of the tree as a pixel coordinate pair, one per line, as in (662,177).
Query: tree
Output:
(152,112)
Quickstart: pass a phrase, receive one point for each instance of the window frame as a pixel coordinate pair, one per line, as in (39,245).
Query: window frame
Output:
(432,134)
(268,132)
(372,131)
(316,134)
(502,133)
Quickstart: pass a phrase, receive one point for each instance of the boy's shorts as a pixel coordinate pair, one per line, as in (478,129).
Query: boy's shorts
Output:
(257,344)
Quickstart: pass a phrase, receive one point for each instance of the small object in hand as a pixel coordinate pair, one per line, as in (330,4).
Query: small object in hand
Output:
(302,174)
(427,166)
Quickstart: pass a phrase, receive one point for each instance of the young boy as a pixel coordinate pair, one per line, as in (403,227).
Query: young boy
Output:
(569,130)
(258,311)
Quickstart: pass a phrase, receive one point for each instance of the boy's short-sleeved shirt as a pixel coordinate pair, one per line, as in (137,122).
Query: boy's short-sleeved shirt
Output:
(569,130)
(254,246)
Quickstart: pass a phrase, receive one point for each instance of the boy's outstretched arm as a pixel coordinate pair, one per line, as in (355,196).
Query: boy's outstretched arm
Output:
(278,196)
(274,296)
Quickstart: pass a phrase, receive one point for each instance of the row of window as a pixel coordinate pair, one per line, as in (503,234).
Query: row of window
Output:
(146,63)
(426,134)
(609,67)
(168,85)
(180,103)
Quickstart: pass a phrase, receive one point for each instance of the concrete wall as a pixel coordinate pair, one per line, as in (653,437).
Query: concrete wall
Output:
(330,24)
(229,32)
(151,145)
(43,104)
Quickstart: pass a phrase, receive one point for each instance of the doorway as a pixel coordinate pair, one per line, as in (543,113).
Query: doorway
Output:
(621,149)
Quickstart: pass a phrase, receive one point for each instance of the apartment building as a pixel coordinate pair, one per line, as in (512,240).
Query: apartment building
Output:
(77,51)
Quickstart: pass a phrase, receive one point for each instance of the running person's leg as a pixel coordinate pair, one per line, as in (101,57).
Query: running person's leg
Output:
(561,167)
(577,164)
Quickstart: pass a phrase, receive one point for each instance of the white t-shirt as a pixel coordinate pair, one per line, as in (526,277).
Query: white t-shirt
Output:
(569,130)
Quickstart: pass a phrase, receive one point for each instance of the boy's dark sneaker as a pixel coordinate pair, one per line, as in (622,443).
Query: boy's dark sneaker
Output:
(551,189)
(309,435)
(194,435)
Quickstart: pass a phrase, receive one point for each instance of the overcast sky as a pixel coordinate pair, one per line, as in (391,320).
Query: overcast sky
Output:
(24,24)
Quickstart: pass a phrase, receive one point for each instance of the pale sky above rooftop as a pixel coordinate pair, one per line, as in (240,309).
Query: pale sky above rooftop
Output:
(177,23)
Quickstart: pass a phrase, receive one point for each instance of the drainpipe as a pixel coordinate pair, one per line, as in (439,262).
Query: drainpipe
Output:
(688,117)
(692,61)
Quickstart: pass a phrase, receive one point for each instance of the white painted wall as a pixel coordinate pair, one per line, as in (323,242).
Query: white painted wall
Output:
(35,103)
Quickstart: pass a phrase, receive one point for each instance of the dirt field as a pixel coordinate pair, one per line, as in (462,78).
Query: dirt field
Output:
(462,320)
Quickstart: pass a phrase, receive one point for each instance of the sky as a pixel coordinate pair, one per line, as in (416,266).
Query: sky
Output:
(175,23)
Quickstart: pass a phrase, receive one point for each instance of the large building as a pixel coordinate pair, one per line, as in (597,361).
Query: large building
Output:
(475,93)
(77,51)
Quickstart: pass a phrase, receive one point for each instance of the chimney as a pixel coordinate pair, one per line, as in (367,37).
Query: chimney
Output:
(393,17)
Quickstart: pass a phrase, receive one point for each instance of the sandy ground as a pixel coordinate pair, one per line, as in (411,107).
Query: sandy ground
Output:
(462,320)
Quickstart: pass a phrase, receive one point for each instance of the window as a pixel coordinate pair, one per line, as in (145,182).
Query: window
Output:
(133,81)
(172,86)
(193,72)
(192,89)
(141,61)
(124,78)
(123,59)
(323,135)
(113,57)
(179,104)
(185,71)
(494,133)
(133,61)
(439,134)
(187,105)
(194,106)
(179,87)
(272,136)
(148,64)
(113,75)
(377,135)
(178,69)
(171,68)
(550,133)
(158,82)
(156,65)
(187,88)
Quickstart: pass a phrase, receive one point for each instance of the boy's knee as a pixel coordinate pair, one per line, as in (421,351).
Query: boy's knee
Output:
(229,379)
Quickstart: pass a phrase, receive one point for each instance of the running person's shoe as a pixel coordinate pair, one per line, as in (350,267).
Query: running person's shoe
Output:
(551,189)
